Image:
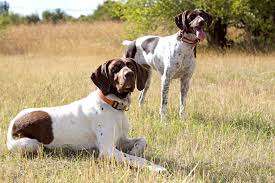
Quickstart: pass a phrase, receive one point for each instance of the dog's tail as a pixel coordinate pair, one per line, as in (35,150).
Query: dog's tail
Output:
(127,42)
(131,49)
(10,140)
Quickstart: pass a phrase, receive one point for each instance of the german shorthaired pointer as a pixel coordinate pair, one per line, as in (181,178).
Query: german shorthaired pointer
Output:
(95,122)
(172,56)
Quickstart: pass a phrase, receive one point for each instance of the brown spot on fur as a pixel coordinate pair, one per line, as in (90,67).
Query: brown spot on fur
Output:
(35,125)
(150,44)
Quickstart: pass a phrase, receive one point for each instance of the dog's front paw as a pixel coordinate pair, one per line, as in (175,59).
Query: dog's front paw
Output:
(157,168)
(139,147)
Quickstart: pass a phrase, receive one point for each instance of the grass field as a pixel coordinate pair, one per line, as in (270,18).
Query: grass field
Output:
(228,135)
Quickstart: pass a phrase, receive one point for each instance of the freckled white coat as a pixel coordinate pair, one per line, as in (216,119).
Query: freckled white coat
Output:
(87,124)
(173,59)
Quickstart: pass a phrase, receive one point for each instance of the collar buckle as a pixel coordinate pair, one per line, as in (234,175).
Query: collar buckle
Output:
(115,104)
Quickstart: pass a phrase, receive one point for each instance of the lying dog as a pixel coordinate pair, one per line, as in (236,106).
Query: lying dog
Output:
(97,121)
(172,56)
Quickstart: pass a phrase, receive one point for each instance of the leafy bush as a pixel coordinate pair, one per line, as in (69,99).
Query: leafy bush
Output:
(4,7)
(257,19)
(144,16)
(32,19)
(10,19)
(108,11)
(56,16)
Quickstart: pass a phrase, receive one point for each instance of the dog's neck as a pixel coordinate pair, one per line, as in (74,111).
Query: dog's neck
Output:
(187,38)
(115,101)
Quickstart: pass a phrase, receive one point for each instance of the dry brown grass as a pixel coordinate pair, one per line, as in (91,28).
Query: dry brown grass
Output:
(228,135)
(62,39)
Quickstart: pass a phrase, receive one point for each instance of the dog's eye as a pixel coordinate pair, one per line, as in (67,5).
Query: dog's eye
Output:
(116,68)
(131,66)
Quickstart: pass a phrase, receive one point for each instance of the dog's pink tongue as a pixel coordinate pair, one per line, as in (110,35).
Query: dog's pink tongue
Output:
(200,34)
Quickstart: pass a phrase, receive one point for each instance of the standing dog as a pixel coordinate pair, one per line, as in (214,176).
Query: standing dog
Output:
(95,122)
(172,56)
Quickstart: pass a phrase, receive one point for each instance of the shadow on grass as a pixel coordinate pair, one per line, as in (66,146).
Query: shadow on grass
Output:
(64,153)
(71,154)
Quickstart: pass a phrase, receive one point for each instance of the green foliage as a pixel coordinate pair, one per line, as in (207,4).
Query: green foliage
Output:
(4,7)
(257,19)
(56,16)
(146,15)
(106,11)
(32,19)
(109,10)
(10,19)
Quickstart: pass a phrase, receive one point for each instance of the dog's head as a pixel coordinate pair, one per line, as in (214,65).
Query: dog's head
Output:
(120,76)
(194,21)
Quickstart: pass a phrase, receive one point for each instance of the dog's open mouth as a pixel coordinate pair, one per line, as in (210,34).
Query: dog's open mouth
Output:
(200,34)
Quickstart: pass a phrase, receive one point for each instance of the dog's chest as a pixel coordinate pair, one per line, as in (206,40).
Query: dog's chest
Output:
(111,123)
(182,65)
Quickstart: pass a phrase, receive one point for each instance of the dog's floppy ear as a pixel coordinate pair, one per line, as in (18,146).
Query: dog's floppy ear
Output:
(207,17)
(101,78)
(142,75)
(180,20)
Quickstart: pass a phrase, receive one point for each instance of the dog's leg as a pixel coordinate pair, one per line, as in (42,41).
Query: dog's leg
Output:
(184,87)
(133,147)
(107,150)
(144,91)
(165,82)
(134,161)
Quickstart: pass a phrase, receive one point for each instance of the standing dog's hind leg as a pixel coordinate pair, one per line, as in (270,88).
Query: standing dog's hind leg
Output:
(144,91)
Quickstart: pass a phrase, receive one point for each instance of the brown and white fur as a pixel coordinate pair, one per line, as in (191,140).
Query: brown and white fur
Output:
(88,123)
(172,56)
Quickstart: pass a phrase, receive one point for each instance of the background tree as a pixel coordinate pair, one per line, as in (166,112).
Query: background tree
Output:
(257,19)
(146,15)
(32,19)
(106,11)
(4,7)
(56,16)
(221,12)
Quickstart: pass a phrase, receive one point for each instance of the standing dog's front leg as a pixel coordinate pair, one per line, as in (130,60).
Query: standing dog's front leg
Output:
(184,87)
(165,82)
